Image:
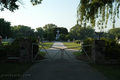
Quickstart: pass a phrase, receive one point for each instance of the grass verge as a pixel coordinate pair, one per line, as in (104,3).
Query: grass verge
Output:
(42,54)
(12,71)
(5,42)
(47,45)
(77,53)
(112,72)
(71,45)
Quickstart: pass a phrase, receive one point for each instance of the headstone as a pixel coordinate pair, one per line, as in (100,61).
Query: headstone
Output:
(58,34)
(73,40)
(25,50)
(6,38)
(68,40)
(98,54)
(0,39)
(10,40)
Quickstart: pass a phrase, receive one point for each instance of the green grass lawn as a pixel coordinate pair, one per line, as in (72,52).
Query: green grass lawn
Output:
(4,42)
(112,72)
(11,71)
(42,54)
(47,45)
(71,44)
(77,53)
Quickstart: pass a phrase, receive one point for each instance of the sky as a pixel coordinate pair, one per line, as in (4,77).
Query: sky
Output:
(62,13)
(59,12)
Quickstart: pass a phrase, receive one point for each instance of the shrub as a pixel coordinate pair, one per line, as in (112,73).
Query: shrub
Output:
(77,41)
(3,55)
(112,49)
(88,49)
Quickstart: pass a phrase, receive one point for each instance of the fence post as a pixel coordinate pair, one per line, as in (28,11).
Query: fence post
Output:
(32,53)
(62,54)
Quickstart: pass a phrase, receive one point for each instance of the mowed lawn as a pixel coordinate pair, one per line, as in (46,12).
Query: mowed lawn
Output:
(47,45)
(112,72)
(72,45)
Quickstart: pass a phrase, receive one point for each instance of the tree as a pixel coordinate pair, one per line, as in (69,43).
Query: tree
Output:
(48,27)
(78,32)
(22,31)
(100,11)
(114,32)
(50,36)
(62,36)
(12,4)
(5,28)
(40,32)
(63,30)
(67,37)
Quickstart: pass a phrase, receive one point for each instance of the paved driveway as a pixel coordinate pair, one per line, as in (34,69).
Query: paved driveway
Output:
(62,69)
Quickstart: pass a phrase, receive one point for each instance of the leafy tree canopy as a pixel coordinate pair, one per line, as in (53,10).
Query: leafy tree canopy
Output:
(78,32)
(48,27)
(13,4)
(5,28)
(21,31)
(99,11)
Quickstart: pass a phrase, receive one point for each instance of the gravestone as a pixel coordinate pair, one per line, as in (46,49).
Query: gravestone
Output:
(6,38)
(68,40)
(73,40)
(98,54)
(10,40)
(25,50)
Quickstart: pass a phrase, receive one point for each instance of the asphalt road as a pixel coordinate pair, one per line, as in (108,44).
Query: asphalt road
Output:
(61,68)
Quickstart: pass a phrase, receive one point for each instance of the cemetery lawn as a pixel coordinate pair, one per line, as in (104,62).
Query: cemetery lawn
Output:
(71,44)
(42,54)
(4,42)
(77,53)
(112,72)
(8,71)
(47,45)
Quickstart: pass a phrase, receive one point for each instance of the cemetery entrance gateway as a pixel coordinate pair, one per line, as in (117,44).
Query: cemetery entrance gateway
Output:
(61,51)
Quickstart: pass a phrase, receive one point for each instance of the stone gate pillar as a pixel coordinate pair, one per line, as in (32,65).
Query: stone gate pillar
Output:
(25,50)
(99,51)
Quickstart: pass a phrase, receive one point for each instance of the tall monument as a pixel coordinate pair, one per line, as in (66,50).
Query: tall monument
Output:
(58,34)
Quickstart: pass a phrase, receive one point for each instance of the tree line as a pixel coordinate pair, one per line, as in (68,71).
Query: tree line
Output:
(48,32)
